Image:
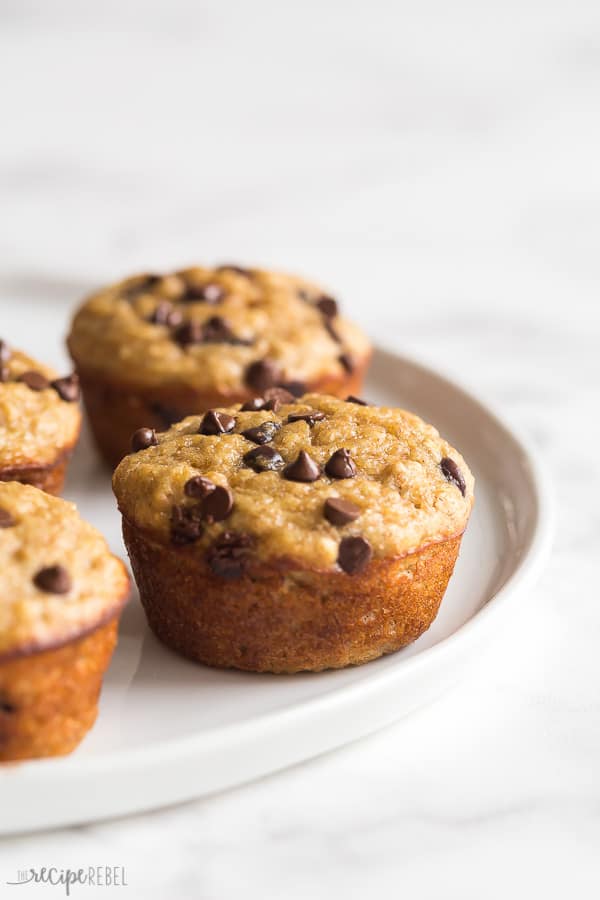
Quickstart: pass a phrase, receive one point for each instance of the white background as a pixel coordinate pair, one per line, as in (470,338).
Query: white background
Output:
(438,166)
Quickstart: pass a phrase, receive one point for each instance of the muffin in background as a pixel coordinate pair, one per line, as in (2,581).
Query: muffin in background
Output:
(40,420)
(317,534)
(153,349)
(61,596)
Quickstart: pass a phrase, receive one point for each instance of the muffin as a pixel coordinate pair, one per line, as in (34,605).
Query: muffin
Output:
(61,595)
(153,349)
(39,421)
(302,535)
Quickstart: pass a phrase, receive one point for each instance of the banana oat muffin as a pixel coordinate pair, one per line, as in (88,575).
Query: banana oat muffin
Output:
(39,421)
(299,534)
(153,349)
(61,595)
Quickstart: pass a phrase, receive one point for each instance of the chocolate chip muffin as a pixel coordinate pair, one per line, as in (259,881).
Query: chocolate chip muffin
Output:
(152,349)
(39,421)
(293,534)
(61,594)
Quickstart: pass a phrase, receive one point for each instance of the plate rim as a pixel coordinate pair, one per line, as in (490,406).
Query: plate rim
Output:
(527,569)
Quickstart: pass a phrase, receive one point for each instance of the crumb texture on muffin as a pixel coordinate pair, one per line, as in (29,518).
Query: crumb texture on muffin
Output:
(38,419)
(222,330)
(58,578)
(272,480)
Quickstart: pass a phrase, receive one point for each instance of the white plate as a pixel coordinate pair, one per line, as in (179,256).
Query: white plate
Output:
(170,730)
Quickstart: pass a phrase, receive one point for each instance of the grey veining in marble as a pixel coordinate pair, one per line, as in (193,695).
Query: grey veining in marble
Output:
(437,165)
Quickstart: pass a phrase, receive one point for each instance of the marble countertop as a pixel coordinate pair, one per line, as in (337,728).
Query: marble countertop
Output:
(437,165)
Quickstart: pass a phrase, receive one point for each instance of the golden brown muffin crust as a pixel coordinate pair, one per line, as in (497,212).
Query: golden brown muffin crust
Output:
(58,580)
(215,330)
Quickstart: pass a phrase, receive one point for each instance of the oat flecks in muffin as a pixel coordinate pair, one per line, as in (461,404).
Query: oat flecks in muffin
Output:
(39,417)
(399,497)
(270,329)
(57,577)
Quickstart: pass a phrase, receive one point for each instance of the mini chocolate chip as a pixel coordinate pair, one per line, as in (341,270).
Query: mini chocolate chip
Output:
(341,465)
(253,405)
(263,459)
(339,511)
(332,331)
(168,415)
(262,433)
(352,399)
(310,417)
(189,333)
(67,388)
(303,294)
(142,439)
(198,487)
(304,468)
(228,556)
(354,553)
(216,423)
(6,519)
(53,580)
(6,707)
(186,524)
(206,293)
(275,397)
(239,270)
(327,306)
(166,314)
(348,361)
(263,374)
(217,505)
(453,474)
(34,380)
(295,388)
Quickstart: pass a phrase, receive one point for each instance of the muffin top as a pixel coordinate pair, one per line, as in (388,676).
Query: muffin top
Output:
(58,579)
(39,413)
(316,483)
(227,329)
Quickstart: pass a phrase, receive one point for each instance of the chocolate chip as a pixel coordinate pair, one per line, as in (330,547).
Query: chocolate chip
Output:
(189,333)
(142,439)
(141,284)
(67,388)
(186,524)
(352,399)
(327,306)
(453,474)
(34,380)
(239,270)
(332,331)
(228,556)
(303,294)
(198,487)
(166,314)
(5,352)
(354,554)
(216,423)
(295,388)
(6,706)
(262,433)
(6,519)
(217,504)
(341,465)
(217,331)
(310,417)
(53,580)
(339,511)
(168,415)
(263,374)
(253,405)
(304,468)
(348,361)
(276,397)
(263,459)
(206,293)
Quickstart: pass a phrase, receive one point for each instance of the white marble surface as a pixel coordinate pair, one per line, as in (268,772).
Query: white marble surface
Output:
(437,165)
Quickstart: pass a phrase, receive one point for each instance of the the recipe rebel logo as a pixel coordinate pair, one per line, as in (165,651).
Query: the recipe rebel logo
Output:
(91,876)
